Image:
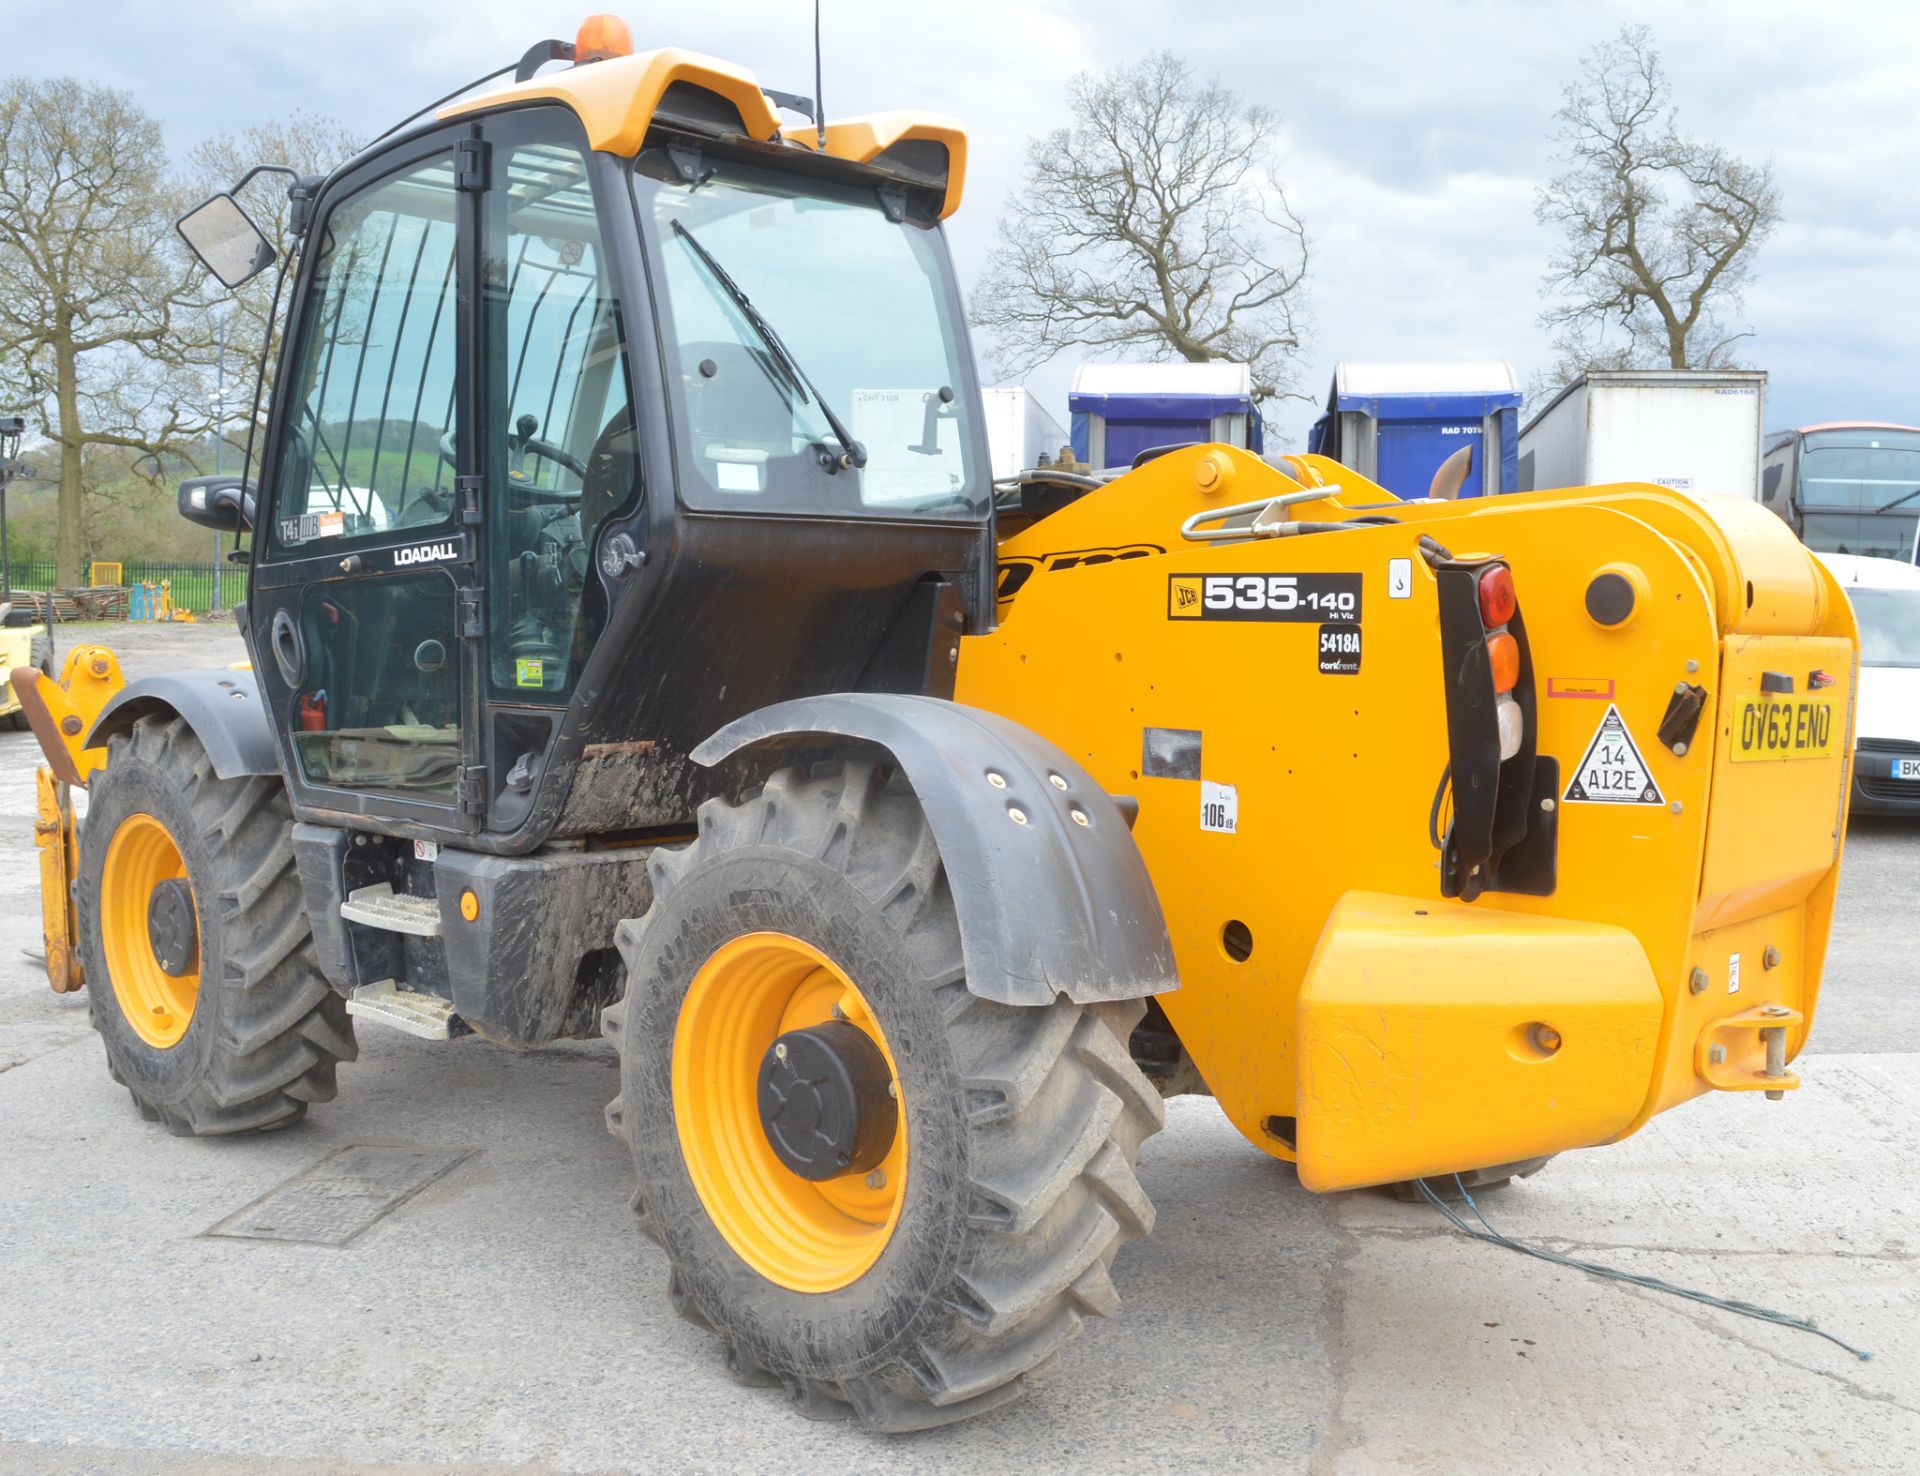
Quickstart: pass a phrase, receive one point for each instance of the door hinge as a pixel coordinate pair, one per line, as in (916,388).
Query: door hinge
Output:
(467,489)
(470,789)
(473,614)
(470,159)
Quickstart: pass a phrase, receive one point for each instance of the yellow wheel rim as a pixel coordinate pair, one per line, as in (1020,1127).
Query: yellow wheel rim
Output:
(158,1005)
(804,1235)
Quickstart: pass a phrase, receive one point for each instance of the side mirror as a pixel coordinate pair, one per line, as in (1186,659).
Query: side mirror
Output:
(226,240)
(224,504)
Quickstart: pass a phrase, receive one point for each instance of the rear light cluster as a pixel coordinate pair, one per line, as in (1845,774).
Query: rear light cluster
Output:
(1498,606)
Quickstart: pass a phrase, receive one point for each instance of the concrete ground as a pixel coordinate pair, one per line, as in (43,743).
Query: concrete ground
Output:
(506,1318)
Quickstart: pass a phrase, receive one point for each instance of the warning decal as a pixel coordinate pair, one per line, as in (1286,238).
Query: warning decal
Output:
(1612,773)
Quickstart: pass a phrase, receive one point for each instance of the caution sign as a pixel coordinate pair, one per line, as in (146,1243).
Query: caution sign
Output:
(1612,773)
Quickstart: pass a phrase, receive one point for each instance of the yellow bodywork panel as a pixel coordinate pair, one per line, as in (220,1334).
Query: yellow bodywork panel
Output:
(865,138)
(616,99)
(1439,1034)
(1277,777)
(53,834)
(61,714)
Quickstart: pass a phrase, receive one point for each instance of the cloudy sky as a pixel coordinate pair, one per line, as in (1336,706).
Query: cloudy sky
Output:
(1412,140)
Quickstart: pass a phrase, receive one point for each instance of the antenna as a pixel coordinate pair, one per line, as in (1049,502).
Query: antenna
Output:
(819,103)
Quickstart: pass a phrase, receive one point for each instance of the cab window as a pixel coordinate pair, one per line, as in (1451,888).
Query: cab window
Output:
(562,449)
(367,446)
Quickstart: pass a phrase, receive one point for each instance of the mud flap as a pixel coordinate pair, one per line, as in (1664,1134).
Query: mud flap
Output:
(1438,1037)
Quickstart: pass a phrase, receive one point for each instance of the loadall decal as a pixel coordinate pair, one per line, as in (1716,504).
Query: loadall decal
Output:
(1298,597)
(424,553)
(1015,570)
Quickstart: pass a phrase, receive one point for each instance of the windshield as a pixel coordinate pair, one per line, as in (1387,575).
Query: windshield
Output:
(1860,491)
(1889,625)
(849,316)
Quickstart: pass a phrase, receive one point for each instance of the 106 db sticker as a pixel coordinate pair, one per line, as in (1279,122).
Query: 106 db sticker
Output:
(1303,597)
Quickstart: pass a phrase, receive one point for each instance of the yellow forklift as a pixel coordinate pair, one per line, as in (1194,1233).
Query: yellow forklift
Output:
(640,645)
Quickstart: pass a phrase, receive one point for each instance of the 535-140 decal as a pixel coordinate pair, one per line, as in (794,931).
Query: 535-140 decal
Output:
(1303,597)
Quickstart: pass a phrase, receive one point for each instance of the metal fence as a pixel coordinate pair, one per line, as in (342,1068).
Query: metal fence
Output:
(191,585)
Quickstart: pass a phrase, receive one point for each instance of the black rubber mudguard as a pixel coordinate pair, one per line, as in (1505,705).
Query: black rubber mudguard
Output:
(1049,905)
(222,707)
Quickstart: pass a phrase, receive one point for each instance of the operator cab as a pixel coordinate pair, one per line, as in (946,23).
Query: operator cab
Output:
(610,410)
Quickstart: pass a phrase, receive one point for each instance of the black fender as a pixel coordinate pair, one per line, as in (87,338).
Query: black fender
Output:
(1048,904)
(222,707)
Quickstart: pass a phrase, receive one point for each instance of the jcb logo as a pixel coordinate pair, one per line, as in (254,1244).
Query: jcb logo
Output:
(1015,571)
(1183,599)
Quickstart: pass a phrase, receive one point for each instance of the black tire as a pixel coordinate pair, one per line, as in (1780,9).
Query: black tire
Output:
(1024,1123)
(267,1029)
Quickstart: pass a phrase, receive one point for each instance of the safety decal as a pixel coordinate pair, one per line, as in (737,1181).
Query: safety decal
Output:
(529,671)
(1612,773)
(1299,597)
(1340,650)
(1594,688)
(1399,579)
(1219,807)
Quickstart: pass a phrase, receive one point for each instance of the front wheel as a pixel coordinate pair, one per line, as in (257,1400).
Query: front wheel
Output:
(881,1191)
(200,971)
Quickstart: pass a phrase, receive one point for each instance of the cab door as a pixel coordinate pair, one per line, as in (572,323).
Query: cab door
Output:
(364,616)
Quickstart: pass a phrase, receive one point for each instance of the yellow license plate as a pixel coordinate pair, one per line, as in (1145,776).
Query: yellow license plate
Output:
(1784,728)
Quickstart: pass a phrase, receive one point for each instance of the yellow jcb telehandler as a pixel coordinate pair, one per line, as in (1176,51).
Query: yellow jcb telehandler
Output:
(641,646)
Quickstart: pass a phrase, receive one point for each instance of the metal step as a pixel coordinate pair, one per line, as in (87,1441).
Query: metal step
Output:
(425,1015)
(382,907)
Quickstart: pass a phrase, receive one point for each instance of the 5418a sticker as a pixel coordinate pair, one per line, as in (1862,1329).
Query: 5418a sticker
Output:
(1340,650)
(1302,597)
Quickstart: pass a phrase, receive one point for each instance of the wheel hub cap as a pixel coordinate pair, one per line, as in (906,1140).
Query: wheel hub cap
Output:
(824,1102)
(170,928)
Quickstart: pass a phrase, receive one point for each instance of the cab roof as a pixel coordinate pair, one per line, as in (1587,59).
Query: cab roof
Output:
(617,100)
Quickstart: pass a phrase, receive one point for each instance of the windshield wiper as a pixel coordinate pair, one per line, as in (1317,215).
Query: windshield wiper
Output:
(1890,506)
(853,454)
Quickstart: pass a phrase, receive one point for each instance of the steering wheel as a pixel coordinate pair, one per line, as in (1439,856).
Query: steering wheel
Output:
(521,444)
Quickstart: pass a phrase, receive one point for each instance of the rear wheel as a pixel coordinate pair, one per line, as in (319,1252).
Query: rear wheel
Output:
(881,1191)
(198,955)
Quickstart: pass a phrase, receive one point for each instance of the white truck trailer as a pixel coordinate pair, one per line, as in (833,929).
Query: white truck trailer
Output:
(1695,430)
(1020,433)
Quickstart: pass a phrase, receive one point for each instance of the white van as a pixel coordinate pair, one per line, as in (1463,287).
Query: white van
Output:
(1886,600)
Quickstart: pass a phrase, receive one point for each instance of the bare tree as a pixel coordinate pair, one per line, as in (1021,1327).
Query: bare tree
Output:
(1660,228)
(1154,223)
(101,314)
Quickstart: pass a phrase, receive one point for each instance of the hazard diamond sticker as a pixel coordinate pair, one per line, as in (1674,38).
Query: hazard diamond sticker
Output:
(1612,773)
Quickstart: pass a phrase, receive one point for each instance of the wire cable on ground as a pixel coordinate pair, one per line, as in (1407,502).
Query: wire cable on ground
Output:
(1651,1283)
